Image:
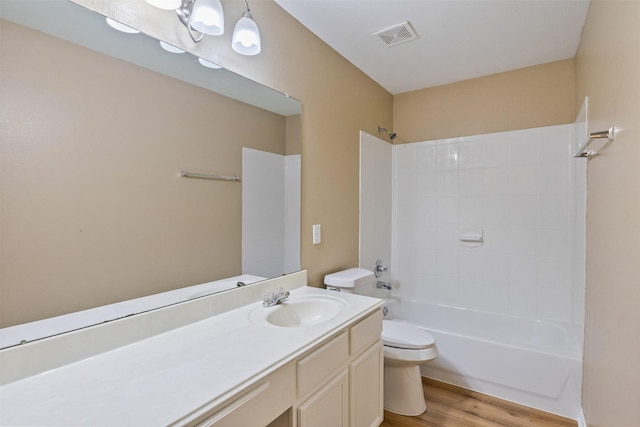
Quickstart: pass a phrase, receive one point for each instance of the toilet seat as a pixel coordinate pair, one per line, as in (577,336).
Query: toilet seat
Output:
(405,336)
(407,357)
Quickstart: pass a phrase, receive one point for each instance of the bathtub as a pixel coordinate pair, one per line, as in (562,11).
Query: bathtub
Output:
(530,362)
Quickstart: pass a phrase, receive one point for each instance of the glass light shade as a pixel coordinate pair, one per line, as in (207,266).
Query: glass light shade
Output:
(121,27)
(246,37)
(165,4)
(207,17)
(208,64)
(170,48)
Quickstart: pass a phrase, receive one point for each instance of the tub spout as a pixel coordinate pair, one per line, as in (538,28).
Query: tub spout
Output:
(383,285)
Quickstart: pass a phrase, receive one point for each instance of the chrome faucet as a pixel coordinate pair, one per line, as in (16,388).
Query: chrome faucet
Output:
(383,285)
(276,296)
(379,268)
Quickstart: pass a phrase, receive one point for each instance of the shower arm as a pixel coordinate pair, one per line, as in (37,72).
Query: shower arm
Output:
(392,135)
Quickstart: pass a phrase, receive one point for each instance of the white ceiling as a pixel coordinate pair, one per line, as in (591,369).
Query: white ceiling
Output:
(458,39)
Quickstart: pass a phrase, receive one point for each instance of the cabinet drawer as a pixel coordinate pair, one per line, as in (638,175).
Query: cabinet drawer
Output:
(313,369)
(365,332)
(257,406)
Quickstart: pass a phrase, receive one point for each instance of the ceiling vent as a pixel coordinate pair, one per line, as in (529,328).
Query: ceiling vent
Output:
(397,34)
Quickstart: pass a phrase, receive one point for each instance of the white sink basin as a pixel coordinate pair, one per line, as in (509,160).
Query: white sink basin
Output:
(300,311)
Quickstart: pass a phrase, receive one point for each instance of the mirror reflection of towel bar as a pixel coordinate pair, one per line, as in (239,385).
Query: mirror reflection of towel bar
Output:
(186,174)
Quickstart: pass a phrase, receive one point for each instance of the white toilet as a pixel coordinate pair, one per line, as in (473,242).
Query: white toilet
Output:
(406,347)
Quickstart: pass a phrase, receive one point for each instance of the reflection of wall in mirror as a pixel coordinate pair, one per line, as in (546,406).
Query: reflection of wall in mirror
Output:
(93,210)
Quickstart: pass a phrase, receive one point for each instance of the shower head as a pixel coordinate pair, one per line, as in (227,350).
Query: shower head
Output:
(392,135)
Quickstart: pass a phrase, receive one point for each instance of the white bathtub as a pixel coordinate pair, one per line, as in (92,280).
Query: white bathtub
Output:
(531,362)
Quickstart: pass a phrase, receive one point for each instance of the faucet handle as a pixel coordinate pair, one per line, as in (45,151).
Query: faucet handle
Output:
(379,268)
(281,293)
(276,296)
(267,298)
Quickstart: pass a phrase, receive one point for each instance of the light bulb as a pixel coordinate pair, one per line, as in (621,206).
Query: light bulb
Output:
(165,4)
(170,48)
(208,64)
(121,27)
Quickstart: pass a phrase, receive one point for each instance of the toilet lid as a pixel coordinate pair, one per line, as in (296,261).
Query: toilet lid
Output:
(403,335)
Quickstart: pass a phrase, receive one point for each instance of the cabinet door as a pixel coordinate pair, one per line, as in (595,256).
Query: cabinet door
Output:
(366,383)
(329,406)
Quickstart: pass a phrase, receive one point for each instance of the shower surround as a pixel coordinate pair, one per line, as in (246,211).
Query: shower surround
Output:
(525,193)
(520,188)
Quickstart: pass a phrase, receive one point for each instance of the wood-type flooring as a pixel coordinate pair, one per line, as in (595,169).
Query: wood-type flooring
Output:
(451,406)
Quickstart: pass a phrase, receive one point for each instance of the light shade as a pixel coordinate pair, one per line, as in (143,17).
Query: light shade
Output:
(207,17)
(246,37)
(208,64)
(170,48)
(121,27)
(165,4)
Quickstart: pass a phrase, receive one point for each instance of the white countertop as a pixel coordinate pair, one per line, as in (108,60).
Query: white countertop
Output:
(162,379)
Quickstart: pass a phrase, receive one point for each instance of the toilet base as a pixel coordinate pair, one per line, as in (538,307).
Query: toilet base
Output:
(403,390)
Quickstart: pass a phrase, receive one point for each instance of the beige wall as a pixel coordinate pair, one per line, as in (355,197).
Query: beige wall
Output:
(294,134)
(338,101)
(608,71)
(93,210)
(529,97)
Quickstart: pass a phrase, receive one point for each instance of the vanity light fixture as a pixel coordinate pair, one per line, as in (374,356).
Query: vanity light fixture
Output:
(206,16)
(202,17)
(165,4)
(170,48)
(208,64)
(246,36)
(121,27)
(166,46)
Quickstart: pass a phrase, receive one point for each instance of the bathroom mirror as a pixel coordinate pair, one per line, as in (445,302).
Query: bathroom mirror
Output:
(94,208)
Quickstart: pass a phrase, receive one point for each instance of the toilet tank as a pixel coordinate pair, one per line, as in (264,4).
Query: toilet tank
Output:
(348,280)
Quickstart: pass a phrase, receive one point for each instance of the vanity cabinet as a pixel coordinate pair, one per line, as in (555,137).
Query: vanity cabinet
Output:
(345,379)
(259,405)
(227,369)
(337,383)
